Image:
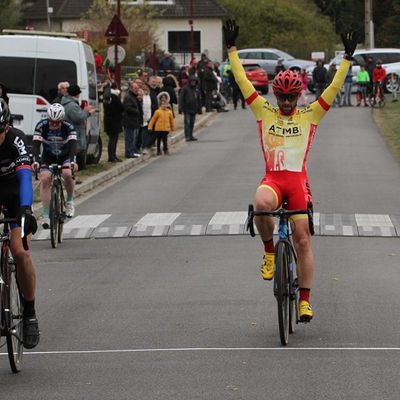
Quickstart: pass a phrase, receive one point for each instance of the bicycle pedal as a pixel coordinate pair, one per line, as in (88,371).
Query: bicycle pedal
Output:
(305,320)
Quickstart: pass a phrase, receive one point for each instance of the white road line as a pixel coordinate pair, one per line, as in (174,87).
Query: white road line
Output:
(375,220)
(198,349)
(156,219)
(87,221)
(228,218)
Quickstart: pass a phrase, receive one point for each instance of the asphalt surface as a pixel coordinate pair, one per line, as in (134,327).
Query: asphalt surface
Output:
(189,317)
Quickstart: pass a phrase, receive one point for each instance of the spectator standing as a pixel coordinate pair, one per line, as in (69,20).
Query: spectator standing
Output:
(190,105)
(146,107)
(162,122)
(304,87)
(62,90)
(113,110)
(369,67)
(394,81)
(236,92)
(131,121)
(77,117)
(362,82)
(210,83)
(329,78)
(3,93)
(169,86)
(279,66)
(378,78)
(167,64)
(319,78)
(152,61)
(348,82)
(183,77)
(98,60)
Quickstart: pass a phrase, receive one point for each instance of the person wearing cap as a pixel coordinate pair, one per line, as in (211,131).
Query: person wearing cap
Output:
(190,105)
(167,63)
(75,115)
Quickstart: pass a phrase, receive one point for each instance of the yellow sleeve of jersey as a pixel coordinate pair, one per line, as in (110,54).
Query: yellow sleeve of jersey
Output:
(322,105)
(253,99)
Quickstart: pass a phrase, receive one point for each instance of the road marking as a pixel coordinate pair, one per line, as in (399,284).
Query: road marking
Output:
(219,223)
(205,349)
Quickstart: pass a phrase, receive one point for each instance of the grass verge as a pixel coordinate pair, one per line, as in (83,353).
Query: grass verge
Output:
(388,121)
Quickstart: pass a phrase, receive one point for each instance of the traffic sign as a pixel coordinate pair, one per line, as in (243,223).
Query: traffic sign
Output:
(121,54)
(116,28)
(116,40)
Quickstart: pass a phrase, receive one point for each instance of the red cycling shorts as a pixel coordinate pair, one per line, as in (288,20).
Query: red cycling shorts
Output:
(290,185)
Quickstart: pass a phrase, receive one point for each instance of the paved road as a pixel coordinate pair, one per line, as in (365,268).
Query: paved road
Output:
(187,317)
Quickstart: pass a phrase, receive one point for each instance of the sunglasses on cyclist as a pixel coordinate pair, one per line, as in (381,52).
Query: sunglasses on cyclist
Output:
(284,97)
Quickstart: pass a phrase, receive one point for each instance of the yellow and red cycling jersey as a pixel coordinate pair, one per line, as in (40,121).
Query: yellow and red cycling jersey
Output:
(286,139)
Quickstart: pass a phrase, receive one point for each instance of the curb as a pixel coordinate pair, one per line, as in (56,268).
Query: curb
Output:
(103,177)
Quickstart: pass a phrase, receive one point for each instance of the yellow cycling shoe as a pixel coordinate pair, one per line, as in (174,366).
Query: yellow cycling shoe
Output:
(305,311)
(268,266)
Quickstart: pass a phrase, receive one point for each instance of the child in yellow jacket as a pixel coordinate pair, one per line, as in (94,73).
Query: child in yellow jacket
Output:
(162,122)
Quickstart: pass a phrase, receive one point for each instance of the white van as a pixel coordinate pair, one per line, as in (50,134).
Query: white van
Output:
(31,65)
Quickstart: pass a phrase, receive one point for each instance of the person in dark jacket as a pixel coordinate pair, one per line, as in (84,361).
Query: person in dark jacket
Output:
(3,93)
(167,63)
(319,78)
(169,86)
(190,105)
(113,110)
(131,121)
(210,83)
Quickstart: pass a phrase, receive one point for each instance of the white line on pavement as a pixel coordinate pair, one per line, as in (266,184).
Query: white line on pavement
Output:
(198,349)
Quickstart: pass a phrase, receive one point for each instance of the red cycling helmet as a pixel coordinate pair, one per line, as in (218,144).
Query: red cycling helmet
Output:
(287,82)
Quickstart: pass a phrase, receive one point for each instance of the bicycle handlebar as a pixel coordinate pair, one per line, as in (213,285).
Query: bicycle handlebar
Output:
(15,221)
(281,212)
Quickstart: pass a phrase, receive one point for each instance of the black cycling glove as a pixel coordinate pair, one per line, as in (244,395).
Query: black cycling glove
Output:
(231,32)
(30,224)
(349,40)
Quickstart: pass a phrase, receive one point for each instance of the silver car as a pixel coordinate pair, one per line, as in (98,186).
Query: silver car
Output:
(268,58)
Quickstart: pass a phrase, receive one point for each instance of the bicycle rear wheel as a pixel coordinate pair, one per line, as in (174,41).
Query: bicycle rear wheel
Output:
(61,219)
(15,346)
(54,215)
(281,286)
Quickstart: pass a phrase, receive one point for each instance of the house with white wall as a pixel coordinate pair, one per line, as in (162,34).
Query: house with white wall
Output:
(173,30)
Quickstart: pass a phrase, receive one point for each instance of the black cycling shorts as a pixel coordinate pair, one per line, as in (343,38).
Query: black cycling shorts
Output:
(48,159)
(9,198)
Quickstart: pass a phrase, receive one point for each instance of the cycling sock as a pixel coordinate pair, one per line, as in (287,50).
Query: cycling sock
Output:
(70,198)
(269,246)
(45,212)
(29,308)
(305,294)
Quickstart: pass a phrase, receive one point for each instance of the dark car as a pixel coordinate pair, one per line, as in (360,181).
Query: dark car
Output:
(257,76)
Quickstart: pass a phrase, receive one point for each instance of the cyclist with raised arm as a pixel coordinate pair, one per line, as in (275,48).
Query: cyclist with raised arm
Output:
(59,141)
(16,195)
(286,133)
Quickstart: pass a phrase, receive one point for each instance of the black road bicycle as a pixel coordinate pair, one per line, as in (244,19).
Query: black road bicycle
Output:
(286,287)
(57,205)
(11,307)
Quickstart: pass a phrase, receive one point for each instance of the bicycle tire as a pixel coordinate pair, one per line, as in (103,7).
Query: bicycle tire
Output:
(294,295)
(61,219)
(14,334)
(53,214)
(281,286)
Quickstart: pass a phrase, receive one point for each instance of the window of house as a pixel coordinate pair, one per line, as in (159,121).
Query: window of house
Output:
(180,42)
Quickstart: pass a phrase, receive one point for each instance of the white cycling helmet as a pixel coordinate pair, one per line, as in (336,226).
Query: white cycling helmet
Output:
(56,112)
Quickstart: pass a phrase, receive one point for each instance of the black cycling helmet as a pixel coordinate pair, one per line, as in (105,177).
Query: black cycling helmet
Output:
(4,113)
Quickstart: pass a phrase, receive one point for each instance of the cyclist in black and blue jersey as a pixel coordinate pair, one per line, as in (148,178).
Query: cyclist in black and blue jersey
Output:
(59,141)
(16,195)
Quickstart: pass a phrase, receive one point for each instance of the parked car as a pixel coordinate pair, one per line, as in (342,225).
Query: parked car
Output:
(257,76)
(268,58)
(32,64)
(389,57)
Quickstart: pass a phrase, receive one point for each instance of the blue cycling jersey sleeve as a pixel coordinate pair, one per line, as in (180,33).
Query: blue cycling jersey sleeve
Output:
(24,176)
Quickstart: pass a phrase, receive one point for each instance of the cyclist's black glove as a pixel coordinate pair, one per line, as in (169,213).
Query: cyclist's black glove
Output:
(231,32)
(30,224)
(349,40)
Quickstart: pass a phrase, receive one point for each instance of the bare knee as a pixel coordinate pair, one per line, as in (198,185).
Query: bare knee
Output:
(303,243)
(45,180)
(265,203)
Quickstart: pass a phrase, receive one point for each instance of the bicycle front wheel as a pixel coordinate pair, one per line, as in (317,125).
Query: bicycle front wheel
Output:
(61,219)
(14,322)
(281,286)
(54,215)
